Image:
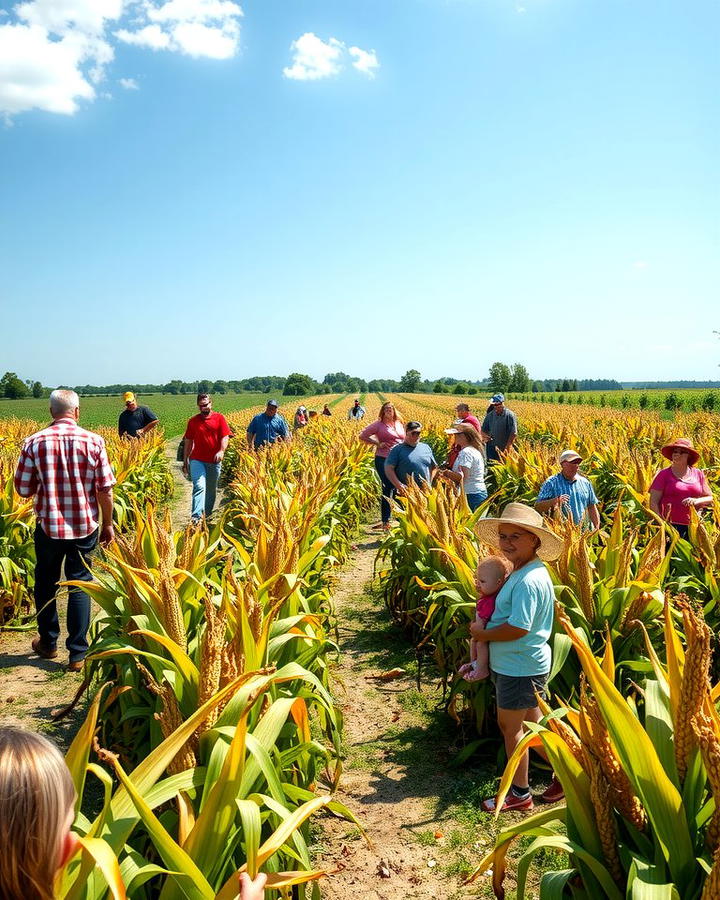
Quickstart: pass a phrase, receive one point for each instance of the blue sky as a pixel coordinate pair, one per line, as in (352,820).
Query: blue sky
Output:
(199,188)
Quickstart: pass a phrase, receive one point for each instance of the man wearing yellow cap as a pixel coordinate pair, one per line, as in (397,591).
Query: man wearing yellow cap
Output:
(135,421)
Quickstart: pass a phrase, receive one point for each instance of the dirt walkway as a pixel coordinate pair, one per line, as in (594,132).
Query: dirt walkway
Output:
(419,812)
(182,488)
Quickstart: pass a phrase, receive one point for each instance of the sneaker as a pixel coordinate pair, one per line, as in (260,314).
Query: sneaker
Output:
(553,792)
(510,803)
(42,650)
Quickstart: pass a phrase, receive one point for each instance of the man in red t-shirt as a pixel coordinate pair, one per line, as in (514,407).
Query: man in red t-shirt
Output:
(205,442)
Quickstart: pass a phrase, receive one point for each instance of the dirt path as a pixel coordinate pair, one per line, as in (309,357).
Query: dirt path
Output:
(419,812)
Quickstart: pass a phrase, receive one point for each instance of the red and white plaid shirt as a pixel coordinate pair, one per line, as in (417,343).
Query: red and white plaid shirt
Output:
(63,466)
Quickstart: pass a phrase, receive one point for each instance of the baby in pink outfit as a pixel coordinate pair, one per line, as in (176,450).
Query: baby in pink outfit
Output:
(490,575)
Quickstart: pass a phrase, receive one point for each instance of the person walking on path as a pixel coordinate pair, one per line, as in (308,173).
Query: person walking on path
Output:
(135,421)
(204,445)
(326,411)
(356,412)
(267,427)
(570,492)
(518,634)
(499,428)
(680,486)
(412,458)
(68,472)
(384,434)
(468,470)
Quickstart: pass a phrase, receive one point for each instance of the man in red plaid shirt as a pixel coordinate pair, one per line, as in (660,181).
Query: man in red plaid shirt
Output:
(67,470)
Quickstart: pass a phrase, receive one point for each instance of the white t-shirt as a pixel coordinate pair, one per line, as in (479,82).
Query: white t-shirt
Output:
(472,460)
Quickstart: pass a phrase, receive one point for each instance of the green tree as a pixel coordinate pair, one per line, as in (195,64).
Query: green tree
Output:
(297,384)
(37,389)
(519,379)
(460,388)
(499,377)
(439,388)
(12,387)
(410,381)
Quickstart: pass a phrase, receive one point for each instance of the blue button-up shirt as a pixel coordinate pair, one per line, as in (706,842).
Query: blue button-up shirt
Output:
(267,429)
(580,492)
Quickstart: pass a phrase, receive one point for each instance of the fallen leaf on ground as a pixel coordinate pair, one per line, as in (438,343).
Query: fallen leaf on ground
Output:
(390,674)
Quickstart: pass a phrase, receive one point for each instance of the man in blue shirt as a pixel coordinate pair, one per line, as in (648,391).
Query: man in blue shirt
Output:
(570,492)
(412,457)
(267,427)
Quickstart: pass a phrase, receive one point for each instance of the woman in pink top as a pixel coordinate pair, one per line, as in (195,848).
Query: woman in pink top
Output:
(383,434)
(675,489)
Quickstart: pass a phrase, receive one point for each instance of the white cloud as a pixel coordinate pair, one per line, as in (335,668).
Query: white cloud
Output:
(314,58)
(207,28)
(53,53)
(196,39)
(202,11)
(130,84)
(151,36)
(640,264)
(60,16)
(364,60)
(39,73)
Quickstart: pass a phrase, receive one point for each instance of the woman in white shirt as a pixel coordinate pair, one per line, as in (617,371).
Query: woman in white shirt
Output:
(468,470)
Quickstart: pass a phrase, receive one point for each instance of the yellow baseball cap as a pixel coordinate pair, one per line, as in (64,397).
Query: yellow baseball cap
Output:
(128,397)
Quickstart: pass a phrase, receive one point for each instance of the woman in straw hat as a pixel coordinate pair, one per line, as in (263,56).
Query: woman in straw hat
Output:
(518,634)
(680,486)
(468,468)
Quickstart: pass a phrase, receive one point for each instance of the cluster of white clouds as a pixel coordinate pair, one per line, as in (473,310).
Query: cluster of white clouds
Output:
(54,54)
(314,58)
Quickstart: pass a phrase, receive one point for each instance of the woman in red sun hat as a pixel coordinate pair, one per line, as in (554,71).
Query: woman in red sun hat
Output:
(681,485)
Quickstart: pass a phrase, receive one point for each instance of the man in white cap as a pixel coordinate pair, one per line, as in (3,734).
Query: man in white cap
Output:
(570,492)
(135,421)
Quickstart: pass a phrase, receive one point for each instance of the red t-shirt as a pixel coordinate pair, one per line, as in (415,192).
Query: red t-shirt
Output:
(206,434)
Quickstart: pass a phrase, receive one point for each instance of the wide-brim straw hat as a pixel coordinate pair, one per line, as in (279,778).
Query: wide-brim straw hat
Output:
(681,444)
(524,517)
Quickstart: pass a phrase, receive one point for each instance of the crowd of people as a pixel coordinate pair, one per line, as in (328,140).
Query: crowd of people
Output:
(66,470)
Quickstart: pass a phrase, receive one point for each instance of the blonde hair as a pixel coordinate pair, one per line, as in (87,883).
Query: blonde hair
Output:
(36,797)
(398,417)
(501,567)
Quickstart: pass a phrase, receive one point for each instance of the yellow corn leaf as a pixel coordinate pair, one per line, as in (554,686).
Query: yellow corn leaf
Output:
(78,753)
(107,862)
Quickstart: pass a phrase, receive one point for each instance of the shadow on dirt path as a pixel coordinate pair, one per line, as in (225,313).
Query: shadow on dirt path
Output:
(398,776)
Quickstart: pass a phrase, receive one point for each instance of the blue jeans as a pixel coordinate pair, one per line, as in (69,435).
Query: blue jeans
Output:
(204,477)
(387,488)
(50,554)
(474,500)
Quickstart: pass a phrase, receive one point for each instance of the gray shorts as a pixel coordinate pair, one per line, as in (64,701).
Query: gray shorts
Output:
(518,692)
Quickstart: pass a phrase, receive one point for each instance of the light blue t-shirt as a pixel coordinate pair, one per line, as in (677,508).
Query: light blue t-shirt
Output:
(580,491)
(416,461)
(526,600)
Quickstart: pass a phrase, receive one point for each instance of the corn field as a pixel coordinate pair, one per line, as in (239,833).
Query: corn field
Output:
(213,733)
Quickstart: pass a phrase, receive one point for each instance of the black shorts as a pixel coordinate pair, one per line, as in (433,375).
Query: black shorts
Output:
(518,692)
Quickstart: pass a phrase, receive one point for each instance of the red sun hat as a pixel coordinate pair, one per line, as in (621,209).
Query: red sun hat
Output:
(681,444)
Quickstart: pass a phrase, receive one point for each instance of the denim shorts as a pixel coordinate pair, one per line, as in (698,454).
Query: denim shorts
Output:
(518,691)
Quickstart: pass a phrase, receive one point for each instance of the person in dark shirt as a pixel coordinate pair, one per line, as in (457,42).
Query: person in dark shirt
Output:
(135,421)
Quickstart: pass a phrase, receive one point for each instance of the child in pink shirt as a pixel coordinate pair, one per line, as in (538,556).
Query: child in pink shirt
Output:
(490,575)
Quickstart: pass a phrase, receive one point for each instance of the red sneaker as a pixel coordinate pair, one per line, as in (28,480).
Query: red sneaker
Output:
(553,792)
(510,803)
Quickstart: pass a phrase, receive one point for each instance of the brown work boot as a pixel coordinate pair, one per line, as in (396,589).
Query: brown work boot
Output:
(76,665)
(42,650)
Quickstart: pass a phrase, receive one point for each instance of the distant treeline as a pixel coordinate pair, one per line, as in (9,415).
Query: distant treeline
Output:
(503,377)
(667,385)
